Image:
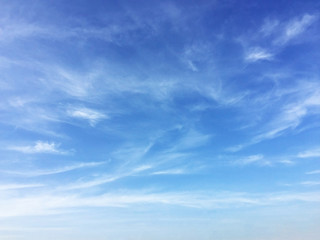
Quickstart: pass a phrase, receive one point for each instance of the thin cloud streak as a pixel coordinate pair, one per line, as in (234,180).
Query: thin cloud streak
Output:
(15,186)
(289,116)
(311,183)
(174,171)
(314,172)
(42,172)
(296,27)
(40,147)
(257,54)
(53,204)
(257,159)
(160,91)
(309,153)
(93,116)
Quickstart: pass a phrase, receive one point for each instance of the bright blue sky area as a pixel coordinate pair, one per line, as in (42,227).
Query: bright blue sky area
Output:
(159,120)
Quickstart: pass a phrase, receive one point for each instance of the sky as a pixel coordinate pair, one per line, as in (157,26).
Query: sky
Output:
(136,120)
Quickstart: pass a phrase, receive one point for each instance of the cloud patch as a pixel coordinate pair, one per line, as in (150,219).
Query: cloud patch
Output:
(44,172)
(92,116)
(310,153)
(287,31)
(39,147)
(257,159)
(314,172)
(258,54)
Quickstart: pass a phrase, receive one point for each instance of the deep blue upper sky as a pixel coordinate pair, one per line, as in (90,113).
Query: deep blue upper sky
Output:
(159,120)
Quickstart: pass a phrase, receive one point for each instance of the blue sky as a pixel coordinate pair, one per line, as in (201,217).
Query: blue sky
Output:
(159,120)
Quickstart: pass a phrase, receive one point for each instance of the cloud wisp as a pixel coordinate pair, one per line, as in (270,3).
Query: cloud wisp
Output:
(151,97)
(257,159)
(43,172)
(4,187)
(257,54)
(46,204)
(314,172)
(40,147)
(302,101)
(92,116)
(310,153)
(296,27)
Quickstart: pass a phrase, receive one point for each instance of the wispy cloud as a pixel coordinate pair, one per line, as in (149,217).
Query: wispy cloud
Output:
(310,153)
(93,116)
(286,162)
(237,148)
(18,186)
(306,103)
(275,35)
(46,204)
(282,32)
(191,139)
(142,168)
(269,26)
(196,53)
(40,147)
(256,54)
(106,178)
(257,159)
(311,183)
(37,172)
(314,172)
(296,27)
(174,171)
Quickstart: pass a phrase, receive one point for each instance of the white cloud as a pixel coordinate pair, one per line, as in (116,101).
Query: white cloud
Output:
(287,162)
(142,168)
(106,178)
(39,147)
(42,172)
(11,31)
(93,116)
(18,186)
(19,102)
(295,27)
(311,183)
(45,204)
(298,26)
(197,52)
(310,153)
(269,27)
(256,54)
(236,148)
(274,35)
(192,139)
(170,172)
(219,93)
(314,172)
(92,183)
(306,103)
(253,159)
